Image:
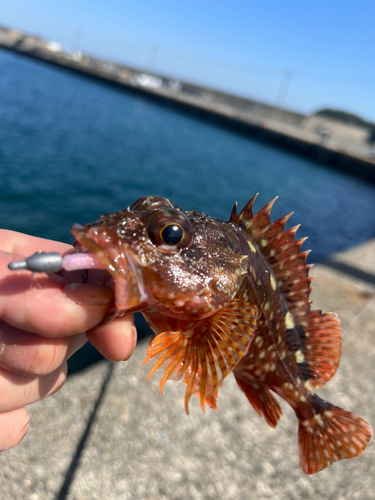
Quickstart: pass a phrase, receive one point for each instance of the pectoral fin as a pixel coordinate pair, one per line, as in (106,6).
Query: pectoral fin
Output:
(203,356)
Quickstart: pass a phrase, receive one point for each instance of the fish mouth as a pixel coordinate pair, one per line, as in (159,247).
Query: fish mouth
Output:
(116,258)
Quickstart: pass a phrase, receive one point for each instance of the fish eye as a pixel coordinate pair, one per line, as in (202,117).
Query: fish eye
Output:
(172,234)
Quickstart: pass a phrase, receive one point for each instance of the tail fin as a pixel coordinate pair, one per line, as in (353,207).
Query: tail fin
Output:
(331,436)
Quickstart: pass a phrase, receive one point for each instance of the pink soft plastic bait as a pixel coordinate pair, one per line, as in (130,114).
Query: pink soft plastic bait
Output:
(74,261)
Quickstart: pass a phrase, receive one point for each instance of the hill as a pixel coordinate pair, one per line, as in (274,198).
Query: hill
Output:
(345,117)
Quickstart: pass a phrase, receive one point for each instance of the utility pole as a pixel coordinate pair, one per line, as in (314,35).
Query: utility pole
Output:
(76,41)
(152,55)
(283,90)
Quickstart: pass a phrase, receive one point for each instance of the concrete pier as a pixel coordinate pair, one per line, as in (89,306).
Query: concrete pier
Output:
(341,146)
(108,434)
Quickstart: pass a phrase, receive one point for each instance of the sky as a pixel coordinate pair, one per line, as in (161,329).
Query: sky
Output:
(304,55)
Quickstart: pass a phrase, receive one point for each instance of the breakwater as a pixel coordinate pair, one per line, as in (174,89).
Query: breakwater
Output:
(322,140)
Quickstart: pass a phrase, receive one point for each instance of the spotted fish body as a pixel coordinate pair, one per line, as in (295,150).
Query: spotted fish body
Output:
(230,296)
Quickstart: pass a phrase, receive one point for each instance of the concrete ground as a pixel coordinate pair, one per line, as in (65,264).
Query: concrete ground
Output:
(108,434)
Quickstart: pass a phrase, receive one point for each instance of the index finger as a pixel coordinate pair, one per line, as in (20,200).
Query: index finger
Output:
(25,245)
(48,306)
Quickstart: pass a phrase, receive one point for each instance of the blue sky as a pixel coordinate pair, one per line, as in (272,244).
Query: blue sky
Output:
(304,54)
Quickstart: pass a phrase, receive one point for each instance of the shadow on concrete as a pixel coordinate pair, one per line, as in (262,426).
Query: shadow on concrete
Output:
(70,473)
(352,271)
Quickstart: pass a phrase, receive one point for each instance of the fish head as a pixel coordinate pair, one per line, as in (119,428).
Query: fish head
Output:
(181,264)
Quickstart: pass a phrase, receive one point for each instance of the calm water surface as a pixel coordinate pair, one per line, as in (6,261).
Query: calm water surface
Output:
(71,149)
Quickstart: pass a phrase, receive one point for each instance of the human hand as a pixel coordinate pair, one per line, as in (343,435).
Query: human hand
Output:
(43,321)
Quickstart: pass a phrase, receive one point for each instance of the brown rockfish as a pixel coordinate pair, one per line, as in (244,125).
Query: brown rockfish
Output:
(230,296)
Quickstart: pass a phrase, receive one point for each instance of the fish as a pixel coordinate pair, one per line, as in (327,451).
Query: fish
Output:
(229,296)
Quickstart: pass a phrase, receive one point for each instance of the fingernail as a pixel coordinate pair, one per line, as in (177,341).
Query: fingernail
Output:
(26,425)
(3,336)
(88,295)
(134,333)
(51,383)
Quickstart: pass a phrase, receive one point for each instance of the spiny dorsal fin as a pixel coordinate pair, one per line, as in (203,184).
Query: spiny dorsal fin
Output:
(281,251)
(257,223)
(320,333)
(247,211)
(205,355)
(233,216)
